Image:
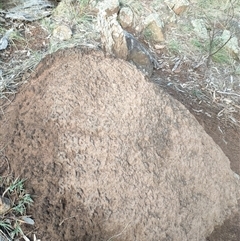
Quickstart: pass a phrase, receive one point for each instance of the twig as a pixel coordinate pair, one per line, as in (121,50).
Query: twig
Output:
(65,219)
(227,93)
(213,33)
(224,44)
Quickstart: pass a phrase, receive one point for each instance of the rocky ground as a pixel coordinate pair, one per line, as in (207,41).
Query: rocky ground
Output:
(208,86)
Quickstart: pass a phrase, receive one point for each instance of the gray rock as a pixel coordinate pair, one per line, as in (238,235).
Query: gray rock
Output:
(154,27)
(232,42)
(62,32)
(4,39)
(2,20)
(122,44)
(112,35)
(29,10)
(125,17)
(139,55)
(199,28)
(3,43)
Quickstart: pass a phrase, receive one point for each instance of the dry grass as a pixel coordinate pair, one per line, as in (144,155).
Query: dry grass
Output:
(13,212)
(218,83)
(23,62)
(220,79)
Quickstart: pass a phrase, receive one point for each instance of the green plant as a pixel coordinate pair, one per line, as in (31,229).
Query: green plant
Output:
(147,33)
(136,6)
(83,3)
(14,37)
(215,50)
(2,30)
(46,24)
(221,56)
(215,27)
(198,94)
(5,226)
(200,45)
(16,201)
(174,47)
(81,12)
(72,13)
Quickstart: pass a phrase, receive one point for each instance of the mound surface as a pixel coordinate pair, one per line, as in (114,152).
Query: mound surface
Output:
(108,154)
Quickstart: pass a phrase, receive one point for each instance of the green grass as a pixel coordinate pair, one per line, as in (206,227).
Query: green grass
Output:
(75,13)
(174,47)
(208,3)
(147,33)
(197,93)
(136,6)
(46,24)
(12,218)
(2,30)
(222,57)
(83,3)
(5,226)
(200,45)
(212,46)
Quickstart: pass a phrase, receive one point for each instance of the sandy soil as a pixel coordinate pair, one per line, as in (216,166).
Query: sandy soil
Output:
(41,133)
(223,132)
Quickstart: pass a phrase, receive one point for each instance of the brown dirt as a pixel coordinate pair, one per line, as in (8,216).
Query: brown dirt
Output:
(86,133)
(37,38)
(31,37)
(224,132)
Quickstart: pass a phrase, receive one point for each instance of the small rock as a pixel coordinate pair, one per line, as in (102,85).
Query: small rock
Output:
(4,39)
(125,17)
(29,10)
(2,20)
(158,46)
(140,56)
(112,36)
(62,32)
(141,60)
(122,44)
(110,7)
(178,6)
(199,28)
(3,43)
(154,28)
(232,44)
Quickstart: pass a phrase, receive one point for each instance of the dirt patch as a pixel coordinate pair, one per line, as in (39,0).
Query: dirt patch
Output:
(108,154)
(37,38)
(223,131)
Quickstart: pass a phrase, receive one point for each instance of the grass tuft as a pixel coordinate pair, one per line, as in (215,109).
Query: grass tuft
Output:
(15,202)
(174,47)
